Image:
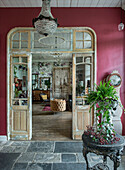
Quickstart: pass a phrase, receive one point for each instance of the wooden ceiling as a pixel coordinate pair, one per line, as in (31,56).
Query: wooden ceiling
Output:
(63,3)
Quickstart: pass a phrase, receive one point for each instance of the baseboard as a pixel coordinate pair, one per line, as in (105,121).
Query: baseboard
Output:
(3,138)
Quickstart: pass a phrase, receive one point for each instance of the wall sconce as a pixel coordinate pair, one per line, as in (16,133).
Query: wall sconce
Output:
(121,25)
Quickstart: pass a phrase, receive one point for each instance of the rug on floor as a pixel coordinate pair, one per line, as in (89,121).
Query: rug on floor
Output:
(46,108)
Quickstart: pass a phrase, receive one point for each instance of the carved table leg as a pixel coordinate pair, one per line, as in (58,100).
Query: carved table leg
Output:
(117,161)
(105,159)
(85,152)
(116,158)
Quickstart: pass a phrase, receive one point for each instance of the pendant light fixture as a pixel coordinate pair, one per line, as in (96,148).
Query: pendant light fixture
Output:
(45,23)
(121,25)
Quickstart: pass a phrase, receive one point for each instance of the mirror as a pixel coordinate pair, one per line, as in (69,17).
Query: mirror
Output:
(45,83)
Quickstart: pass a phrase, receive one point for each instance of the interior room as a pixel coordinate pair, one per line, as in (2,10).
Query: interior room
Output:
(51,79)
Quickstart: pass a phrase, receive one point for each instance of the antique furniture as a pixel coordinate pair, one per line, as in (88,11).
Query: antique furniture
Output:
(113,151)
(43,97)
(58,105)
(36,94)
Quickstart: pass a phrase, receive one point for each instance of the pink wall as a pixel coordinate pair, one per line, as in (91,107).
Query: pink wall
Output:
(104,21)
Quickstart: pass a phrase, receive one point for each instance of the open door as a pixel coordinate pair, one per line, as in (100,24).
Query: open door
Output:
(82,84)
(20,117)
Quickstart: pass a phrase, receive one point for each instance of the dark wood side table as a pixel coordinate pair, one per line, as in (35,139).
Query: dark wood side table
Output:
(113,151)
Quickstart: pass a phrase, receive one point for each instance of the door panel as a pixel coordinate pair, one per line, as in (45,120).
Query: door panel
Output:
(20,105)
(82,83)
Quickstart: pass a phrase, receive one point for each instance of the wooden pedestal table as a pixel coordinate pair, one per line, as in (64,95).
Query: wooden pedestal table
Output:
(113,151)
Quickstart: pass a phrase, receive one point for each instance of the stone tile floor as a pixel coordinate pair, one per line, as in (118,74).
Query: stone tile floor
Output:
(50,155)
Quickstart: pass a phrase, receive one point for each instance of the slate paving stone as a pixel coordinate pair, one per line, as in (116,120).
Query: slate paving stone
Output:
(7,160)
(47,158)
(39,166)
(21,143)
(71,147)
(26,157)
(80,158)
(122,165)
(2,143)
(7,149)
(69,166)
(20,166)
(43,147)
(68,158)
(19,149)
(93,159)
(8,143)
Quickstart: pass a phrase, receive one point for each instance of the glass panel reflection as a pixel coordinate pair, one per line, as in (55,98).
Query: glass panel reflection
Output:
(79,59)
(15,59)
(87,44)
(19,102)
(79,35)
(87,59)
(82,83)
(87,36)
(16,36)
(24,44)
(20,81)
(79,44)
(15,44)
(24,36)
(24,59)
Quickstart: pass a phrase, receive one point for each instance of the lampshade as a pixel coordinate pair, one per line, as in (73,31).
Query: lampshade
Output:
(45,23)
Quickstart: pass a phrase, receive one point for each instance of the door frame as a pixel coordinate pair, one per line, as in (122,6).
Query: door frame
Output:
(29,53)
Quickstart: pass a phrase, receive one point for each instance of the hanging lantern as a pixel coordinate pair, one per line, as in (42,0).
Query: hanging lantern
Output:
(45,23)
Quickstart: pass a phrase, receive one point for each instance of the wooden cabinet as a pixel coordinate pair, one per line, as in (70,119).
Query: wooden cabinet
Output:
(36,94)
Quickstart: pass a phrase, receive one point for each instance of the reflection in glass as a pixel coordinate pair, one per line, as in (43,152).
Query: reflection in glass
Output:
(82,83)
(24,44)
(87,36)
(24,59)
(15,59)
(79,44)
(87,59)
(87,44)
(19,102)
(79,59)
(24,36)
(16,36)
(79,35)
(20,81)
(45,83)
(15,44)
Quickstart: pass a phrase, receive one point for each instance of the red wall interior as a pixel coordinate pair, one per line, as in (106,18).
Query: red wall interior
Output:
(104,21)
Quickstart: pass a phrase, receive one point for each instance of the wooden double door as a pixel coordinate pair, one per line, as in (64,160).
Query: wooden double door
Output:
(20,95)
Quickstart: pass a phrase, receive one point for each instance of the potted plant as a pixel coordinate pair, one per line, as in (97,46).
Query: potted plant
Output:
(103,99)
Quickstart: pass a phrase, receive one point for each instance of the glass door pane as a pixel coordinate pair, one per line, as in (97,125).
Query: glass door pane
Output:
(20,84)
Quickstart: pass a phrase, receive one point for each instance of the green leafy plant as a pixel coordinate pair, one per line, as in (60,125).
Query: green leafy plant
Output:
(102,99)
(15,71)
